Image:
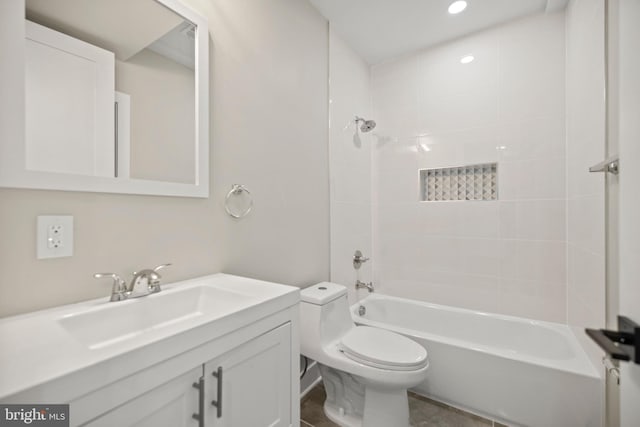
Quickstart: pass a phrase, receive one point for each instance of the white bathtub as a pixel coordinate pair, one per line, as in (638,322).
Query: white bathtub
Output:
(517,371)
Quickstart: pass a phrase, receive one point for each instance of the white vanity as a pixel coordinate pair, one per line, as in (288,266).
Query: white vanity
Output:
(219,350)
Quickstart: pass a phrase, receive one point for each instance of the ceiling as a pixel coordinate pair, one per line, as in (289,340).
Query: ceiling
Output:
(379,30)
(124,27)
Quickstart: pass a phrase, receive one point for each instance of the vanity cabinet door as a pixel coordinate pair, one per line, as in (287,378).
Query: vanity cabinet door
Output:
(171,404)
(251,383)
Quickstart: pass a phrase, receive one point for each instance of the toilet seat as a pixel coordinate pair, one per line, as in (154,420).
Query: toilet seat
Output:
(382,349)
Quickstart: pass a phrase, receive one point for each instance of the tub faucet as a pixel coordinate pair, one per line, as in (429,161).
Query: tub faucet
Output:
(368,286)
(358,260)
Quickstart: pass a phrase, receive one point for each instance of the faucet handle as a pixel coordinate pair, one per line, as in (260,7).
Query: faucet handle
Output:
(160,267)
(358,259)
(119,289)
(114,276)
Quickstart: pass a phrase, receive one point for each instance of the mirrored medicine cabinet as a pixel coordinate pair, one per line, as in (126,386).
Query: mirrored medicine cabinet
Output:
(115,99)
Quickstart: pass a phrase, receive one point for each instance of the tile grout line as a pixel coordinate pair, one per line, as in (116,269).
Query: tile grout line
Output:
(305,423)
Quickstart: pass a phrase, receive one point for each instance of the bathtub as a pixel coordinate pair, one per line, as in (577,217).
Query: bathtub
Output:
(516,371)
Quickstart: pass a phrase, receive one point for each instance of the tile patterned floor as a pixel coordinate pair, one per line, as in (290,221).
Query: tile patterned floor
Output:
(423,412)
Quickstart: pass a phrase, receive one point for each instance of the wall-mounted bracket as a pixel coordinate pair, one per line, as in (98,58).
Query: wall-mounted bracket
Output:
(620,345)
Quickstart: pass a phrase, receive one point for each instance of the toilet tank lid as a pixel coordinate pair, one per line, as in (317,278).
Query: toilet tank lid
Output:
(322,293)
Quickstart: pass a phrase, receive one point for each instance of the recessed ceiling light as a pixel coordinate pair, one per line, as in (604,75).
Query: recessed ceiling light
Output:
(466,59)
(457,7)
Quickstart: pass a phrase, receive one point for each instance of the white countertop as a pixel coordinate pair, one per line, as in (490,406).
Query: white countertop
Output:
(35,348)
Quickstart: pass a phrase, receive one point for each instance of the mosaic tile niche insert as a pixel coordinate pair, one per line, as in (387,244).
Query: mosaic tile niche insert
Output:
(474,182)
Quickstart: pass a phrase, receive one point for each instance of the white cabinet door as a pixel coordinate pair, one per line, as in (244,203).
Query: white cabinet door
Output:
(251,383)
(172,404)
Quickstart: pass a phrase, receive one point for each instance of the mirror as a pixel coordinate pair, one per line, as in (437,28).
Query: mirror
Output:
(115,98)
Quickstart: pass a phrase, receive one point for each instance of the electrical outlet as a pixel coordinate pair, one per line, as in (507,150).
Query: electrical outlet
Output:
(54,236)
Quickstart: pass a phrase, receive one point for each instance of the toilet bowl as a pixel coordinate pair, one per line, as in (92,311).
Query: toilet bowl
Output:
(366,371)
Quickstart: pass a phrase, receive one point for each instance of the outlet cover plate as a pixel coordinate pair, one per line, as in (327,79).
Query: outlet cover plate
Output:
(54,236)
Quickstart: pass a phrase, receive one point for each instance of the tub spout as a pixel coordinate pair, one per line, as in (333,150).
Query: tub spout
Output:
(368,286)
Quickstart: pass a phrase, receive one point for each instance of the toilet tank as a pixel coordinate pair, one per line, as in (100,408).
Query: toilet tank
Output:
(322,293)
(325,309)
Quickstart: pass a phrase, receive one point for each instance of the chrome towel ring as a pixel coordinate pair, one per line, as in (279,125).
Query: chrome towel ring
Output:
(237,190)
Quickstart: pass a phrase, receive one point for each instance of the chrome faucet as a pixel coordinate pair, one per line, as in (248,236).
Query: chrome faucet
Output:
(367,286)
(148,276)
(120,291)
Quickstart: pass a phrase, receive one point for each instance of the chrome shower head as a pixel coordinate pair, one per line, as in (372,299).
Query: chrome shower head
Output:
(367,125)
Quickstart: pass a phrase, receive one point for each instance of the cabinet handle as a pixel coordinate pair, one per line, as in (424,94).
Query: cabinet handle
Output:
(200,415)
(218,403)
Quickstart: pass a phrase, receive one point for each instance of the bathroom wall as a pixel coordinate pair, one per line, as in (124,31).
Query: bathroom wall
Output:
(507,106)
(350,164)
(165,120)
(269,97)
(585,147)
(269,128)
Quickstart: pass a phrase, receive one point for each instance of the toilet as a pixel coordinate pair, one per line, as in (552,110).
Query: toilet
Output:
(366,371)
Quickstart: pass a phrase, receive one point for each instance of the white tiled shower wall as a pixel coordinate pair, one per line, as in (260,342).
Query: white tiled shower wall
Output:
(507,106)
(350,164)
(585,191)
(585,147)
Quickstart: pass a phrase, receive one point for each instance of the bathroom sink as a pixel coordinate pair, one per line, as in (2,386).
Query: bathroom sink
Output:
(74,342)
(152,315)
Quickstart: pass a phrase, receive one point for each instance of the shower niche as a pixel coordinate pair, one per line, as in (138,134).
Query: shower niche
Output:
(472,182)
